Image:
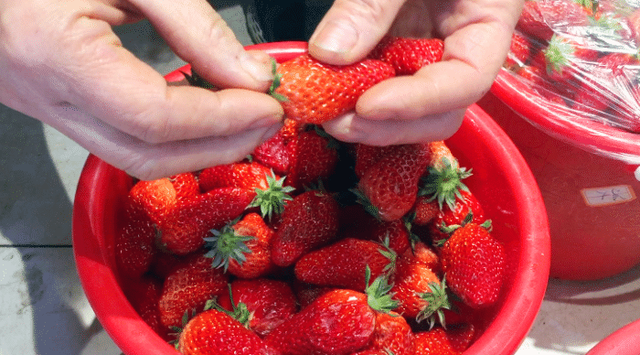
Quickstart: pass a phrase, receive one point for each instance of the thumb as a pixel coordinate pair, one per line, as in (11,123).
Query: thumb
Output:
(351,28)
(201,37)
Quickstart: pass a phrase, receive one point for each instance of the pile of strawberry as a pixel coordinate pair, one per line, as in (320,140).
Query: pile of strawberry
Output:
(314,246)
(582,57)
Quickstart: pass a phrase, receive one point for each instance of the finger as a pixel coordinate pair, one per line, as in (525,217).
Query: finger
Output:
(351,28)
(148,161)
(472,58)
(201,37)
(107,81)
(355,129)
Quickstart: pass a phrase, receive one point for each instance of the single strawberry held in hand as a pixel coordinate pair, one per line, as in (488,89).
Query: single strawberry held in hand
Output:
(314,92)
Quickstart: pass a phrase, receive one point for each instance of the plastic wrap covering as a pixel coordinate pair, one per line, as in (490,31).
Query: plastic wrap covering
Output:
(574,71)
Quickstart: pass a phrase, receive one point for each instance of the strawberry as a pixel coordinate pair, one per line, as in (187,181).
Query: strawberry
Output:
(144,294)
(186,185)
(269,302)
(315,92)
(408,55)
(216,332)
(367,156)
(134,243)
(156,198)
(188,288)
(565,56)
(440,341)
(539,19)
(242,247)
(392,335)
(419,291)
(185,228)
(389,188)
(606,86)
(343,263)
(314,159)
(520,51)
(474,265)
(465,205)
(306,293)
(247,175)
(396,233)
(309,221)
(338,322)
(278,151)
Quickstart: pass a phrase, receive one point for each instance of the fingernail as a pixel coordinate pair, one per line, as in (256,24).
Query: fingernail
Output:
(336,36)
(259,69)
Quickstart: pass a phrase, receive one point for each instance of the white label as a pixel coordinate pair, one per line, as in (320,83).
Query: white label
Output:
(610,195)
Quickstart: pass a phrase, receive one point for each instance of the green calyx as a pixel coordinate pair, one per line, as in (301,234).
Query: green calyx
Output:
(273,199)
(275,84)
(362,199)
(558,55)
(444,184)
(379,296)
(240,312)
(226,245)
(438,300)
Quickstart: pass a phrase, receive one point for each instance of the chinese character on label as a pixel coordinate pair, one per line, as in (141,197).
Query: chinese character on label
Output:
(610,195)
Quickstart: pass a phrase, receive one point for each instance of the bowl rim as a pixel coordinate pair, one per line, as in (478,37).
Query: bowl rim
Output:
(133,334)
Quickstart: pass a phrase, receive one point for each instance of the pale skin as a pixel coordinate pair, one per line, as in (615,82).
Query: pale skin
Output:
(63,65)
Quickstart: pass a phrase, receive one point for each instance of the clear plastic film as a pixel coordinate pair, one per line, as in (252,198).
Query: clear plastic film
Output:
(574,71)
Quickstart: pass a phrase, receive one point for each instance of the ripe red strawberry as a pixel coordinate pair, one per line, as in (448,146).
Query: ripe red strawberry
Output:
(183,231)
(314,92)
(344,264)
(338,322)
(389,188)
(307,293)
(278,151)
(186,185)
(396,233)
(156,198)
(188,288)
(269,302)
(440,341)
(244,174)
(408,55)
(465,205)
(520,51)
(144,294)
(309,221)
(314,159)
(367,156)
(420,293)
(474,265)
(393,335)
(216,332)
(134,243)
(242,247)
(565,56)
(607,84)
(540,18)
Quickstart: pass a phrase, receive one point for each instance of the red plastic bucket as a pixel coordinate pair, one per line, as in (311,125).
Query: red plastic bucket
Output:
(624,341)
(588,175)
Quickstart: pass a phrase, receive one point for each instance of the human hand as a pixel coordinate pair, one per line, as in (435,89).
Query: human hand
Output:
(429,105)
(62,64)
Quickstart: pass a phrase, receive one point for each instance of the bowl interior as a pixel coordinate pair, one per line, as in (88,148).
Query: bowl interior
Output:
(501,181)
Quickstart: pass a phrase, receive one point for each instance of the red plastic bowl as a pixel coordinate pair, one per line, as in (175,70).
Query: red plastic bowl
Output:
(585,171)
(624,341)
(502,181)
